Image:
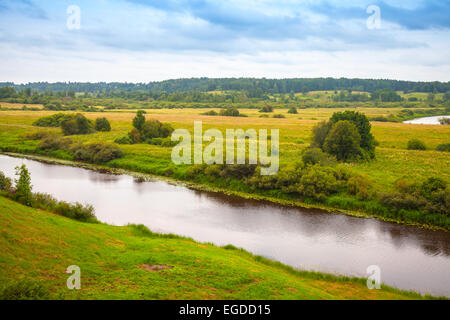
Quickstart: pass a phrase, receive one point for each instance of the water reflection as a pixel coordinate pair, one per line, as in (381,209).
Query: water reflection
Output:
(409,257)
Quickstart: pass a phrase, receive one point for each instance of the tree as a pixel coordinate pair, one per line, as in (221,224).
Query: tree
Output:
(363,126)
(102,124)
(23,185)
(78,124)
(320,132)
(343,141)
(139,120)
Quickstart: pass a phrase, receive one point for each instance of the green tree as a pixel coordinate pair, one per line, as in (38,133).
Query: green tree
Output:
(363,126)
(23,185)
(139,120)
(320,132)
(102,124)
(343,141)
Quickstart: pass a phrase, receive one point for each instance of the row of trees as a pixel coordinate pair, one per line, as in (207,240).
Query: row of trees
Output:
(255,87)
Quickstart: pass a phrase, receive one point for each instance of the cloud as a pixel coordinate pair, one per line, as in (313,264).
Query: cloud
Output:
(244,36)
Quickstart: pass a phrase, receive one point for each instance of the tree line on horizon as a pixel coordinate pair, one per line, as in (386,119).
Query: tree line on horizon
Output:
(256,88)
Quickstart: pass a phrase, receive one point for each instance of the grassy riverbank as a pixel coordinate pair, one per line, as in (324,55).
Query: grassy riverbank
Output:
(120,263)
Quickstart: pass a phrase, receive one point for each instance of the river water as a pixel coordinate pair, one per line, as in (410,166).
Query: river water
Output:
(409,257)
(427,120)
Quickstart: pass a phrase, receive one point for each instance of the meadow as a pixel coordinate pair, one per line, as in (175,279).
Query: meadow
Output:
(393,161)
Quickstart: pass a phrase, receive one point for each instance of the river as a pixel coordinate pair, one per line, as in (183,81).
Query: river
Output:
(427,120)
(409,257)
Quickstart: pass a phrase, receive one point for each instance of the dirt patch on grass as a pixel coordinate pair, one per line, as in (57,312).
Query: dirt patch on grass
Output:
(154,267)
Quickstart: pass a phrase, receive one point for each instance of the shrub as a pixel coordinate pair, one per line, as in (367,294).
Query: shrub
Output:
(293,110)
(77,211)
(96,153)
(444,121)
(317,156)
(237,171)
(431,185)
(54,142)
(124,140)
(402,201)
(444,147)
(102,124)
(5,183)
(279,116)
(416,144)
(343,141)
(53,120)
(359,186)
(266,109)
(37,135)
(317,183)
(135,136)
(23,186)
(210,113)
(78,124)
(230,112)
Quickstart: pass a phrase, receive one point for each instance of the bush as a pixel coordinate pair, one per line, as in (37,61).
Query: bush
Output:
(317,156)
(293,110)
(38,135)
(360,187)
(230,112)
(343,141)
(53,120)
(77,211)
(135,136)
(5,183)
(102,124)
(78,124)
(210,113)
(266,109)
(444,121)
(444,147)
(96,153)
(402,201)
(416,144)
(54,142)
(317,183)
(279,116)
(431,185)
(238,171)
(124,140)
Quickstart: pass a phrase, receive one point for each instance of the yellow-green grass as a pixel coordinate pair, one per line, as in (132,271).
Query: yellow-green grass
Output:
(116,263)
(392,159)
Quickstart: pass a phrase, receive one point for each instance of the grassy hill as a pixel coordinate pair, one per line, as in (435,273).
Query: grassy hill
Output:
(123,262)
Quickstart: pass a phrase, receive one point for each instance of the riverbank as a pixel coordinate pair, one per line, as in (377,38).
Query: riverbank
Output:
(210,188)
(133,263)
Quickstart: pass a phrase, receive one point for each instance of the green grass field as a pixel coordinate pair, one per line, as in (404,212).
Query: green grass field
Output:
(393,160)
(118,263)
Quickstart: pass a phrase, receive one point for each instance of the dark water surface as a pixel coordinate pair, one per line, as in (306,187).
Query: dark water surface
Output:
(409,257)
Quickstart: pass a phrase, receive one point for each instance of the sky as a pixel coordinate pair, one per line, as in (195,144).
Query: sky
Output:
(143,41)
